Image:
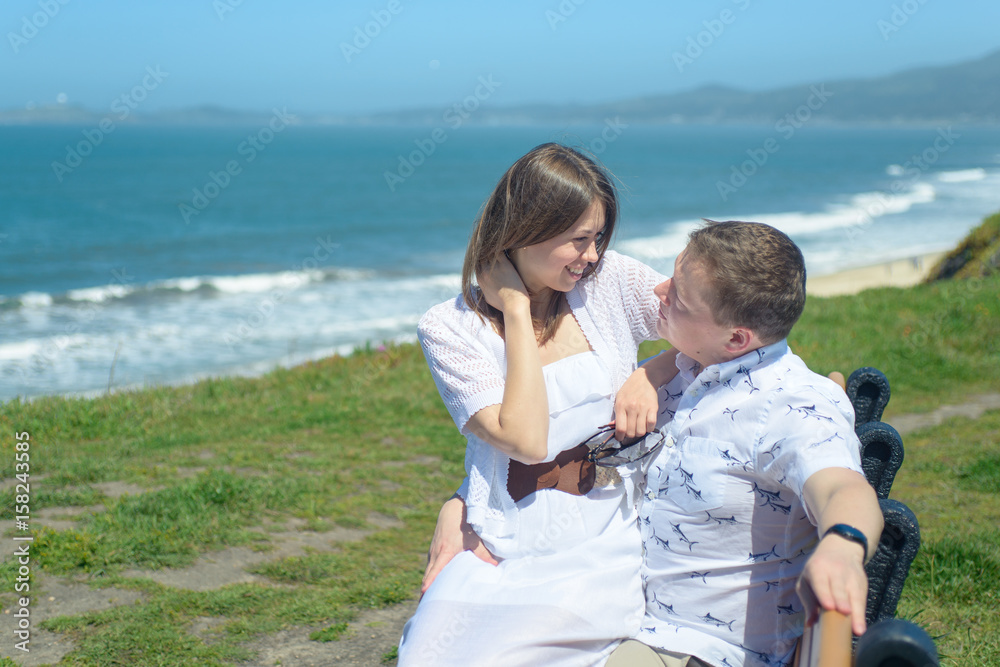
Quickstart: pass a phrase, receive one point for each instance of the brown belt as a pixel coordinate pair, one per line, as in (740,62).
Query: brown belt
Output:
(570,472)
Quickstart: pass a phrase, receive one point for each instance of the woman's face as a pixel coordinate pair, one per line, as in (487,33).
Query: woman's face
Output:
(557,264)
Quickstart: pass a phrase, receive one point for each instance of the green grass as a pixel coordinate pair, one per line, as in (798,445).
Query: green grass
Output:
(950,481)
(330,634)
(351,441)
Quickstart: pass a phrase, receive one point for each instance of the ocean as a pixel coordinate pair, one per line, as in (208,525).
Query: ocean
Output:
(134,256)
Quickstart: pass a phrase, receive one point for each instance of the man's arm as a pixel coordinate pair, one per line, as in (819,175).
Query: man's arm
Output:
(834,576)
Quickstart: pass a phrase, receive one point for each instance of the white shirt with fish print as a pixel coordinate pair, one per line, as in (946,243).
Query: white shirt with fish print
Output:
(725,533)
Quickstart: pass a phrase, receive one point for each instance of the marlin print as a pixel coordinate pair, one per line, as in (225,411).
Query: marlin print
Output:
(743,370)
(835,436)
(770,585)
(777,507)
(669,608)
(732,460)
(700,575)
(731,413)
(809,411)
(672,397)
(684,538)
(693,492)
(731,521)
(663,543)
(787,609)
(764,493)
(775,448)
(764,556)
(670,403)
(687,481)
(718,622)
(763,657)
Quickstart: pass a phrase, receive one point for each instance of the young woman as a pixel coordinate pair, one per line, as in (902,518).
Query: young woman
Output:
(529,363)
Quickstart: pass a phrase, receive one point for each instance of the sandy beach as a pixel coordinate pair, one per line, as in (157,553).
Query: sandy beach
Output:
(898,273)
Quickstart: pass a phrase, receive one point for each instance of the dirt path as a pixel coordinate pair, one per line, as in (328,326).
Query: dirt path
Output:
(367,639)
(972,409)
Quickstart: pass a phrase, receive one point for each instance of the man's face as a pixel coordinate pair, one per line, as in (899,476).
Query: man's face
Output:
(686,321)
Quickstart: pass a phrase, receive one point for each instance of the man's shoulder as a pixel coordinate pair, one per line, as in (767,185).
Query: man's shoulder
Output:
(801,382)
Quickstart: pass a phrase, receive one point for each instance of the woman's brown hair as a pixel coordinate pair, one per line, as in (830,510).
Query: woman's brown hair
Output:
(542,195)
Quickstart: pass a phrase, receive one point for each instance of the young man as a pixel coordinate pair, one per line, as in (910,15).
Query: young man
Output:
(759,463)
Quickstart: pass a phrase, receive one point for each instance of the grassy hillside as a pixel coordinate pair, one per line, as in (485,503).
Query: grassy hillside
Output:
(363,442)
(977,256)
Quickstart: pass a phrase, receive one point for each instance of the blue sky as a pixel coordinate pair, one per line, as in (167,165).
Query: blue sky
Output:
(259,54)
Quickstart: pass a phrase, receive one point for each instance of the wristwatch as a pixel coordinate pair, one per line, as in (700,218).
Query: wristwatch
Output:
(850,533)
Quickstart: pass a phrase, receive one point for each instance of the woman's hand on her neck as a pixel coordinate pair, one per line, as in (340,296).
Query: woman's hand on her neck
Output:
(503,288)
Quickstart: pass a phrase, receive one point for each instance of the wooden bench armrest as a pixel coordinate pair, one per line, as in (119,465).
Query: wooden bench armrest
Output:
(827,643)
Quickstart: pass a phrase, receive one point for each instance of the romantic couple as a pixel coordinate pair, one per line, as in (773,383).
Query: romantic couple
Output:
(748,511)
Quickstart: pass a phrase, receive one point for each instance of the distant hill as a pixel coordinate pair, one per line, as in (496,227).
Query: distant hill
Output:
(967,92)
(65,114)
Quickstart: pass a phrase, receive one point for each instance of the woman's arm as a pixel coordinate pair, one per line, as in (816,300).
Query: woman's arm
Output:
(637,404)
(452,536)
(519,426)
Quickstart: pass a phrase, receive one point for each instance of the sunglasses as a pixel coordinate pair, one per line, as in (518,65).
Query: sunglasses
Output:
(607,452)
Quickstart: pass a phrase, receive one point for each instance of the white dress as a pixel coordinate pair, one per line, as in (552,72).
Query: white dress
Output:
(569,586)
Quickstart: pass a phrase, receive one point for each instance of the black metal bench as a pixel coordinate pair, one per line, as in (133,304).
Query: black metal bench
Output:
(889,641)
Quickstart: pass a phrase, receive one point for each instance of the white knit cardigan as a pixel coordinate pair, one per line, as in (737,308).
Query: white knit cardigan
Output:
(616,310)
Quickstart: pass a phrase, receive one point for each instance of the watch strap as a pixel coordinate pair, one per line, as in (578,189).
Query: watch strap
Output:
(849,533)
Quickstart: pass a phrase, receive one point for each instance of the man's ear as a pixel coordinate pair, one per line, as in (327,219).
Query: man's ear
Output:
(741,341)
